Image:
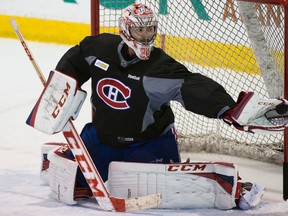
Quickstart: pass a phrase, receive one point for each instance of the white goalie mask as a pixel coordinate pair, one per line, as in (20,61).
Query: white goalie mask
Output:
(138,29)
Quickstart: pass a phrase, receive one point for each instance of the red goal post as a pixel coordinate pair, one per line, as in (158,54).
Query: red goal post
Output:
(241,44)
(284,4)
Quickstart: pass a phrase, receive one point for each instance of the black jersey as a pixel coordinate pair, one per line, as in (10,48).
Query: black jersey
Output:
(132,103)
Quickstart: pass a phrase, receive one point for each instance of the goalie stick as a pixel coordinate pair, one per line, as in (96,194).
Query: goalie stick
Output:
(86,165)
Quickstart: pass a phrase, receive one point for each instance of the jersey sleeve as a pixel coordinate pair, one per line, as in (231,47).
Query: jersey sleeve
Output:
(73,63)
(197,93)
(204,96)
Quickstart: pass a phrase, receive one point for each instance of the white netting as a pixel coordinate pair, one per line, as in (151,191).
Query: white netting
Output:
(239,52)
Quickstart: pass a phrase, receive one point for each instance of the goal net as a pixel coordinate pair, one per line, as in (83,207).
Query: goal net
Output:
(238,44)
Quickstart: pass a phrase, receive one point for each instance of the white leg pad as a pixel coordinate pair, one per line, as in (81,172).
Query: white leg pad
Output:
(62,175)
(45,149)
(187,185)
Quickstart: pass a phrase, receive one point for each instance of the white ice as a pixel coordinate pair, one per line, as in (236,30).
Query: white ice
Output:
(22,192)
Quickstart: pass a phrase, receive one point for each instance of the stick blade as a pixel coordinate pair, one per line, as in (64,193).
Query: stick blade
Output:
(143,202)
(117,204)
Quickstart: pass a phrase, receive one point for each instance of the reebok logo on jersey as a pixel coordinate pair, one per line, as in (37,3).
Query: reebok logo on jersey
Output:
(104,66)
(114,93)
(133,77)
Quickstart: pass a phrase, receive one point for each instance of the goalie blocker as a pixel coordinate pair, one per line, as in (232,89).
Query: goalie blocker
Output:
(60,100)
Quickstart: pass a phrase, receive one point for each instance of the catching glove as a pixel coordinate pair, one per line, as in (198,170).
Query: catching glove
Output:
(258,115)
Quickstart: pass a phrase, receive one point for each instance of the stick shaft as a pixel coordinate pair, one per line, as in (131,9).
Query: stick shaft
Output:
(27,50)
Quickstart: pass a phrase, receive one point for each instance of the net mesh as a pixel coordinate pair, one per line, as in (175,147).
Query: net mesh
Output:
(212,38)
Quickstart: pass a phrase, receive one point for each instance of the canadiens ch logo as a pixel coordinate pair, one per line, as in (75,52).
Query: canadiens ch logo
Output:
(114,93)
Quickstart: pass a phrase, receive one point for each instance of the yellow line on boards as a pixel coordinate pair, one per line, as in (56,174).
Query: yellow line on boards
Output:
(42,30)
(205,53)
(212,54)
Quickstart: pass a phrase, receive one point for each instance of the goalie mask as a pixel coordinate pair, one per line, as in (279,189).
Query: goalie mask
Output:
(138,28)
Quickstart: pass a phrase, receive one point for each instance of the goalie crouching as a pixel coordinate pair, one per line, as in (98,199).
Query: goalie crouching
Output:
(132,130)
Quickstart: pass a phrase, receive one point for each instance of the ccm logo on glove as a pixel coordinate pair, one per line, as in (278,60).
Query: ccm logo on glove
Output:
(265,103)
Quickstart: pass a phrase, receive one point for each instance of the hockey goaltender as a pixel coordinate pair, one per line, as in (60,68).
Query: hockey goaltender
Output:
(132,139)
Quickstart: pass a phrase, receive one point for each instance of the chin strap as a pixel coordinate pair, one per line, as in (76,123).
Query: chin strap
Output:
(123,61)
